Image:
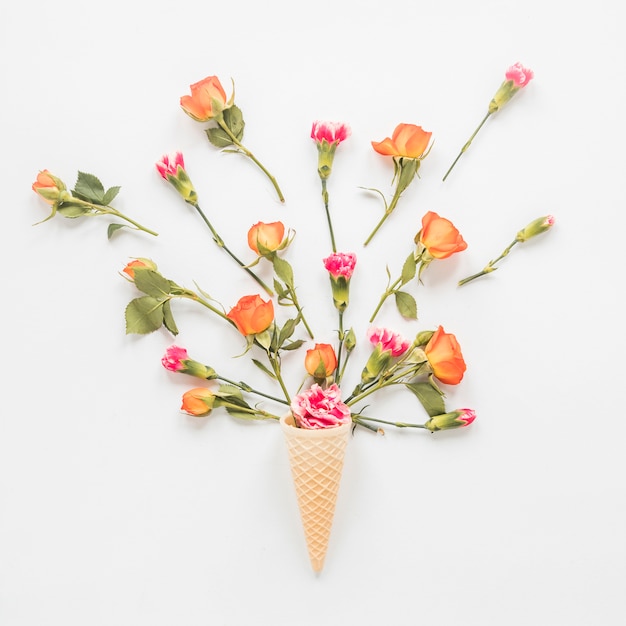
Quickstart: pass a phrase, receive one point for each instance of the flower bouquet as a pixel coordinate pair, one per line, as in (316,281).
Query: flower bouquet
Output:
(318,416)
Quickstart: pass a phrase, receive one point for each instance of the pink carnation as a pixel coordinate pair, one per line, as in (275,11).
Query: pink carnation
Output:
(340,264)
(332,132)
(320,408)
(389,340)
(519,74)
(172,360)
(468,416)
(169,165)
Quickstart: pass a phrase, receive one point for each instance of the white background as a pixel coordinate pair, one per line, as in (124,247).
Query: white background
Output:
(117,509)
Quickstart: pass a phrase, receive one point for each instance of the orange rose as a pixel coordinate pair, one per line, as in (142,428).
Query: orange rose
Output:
(408,141)
(207,99)
(48,187)
(252,315)
(439,236)
(198,402)
(268,236)
(321,361)
(445,358)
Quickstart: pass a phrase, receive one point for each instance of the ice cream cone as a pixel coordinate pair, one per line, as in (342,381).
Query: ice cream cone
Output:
(316,458)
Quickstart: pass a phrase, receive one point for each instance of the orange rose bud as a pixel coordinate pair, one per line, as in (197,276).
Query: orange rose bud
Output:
(439,236)
(252,315)
(207,99)
(130,268)
(49,187)
(264,238)
(407,140)
(445,358)
(198,402)
(320,361)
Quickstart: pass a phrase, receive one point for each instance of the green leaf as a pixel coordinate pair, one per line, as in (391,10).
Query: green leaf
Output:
(113,228)
(264,369)
(283,271)
(72,210)
(286,331)
(151,283)
(430,397)
(89,188)
(143,315)
(409,269)
(406,305)
(110,194)
(168,318)
(218,137)
(294,345)
(233,118)
(280,289)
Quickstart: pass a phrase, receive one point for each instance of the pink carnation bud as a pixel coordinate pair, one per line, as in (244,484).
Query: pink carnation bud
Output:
(173,358)
(467,416)
(519,74)
(332,132)
(393,342)
(169,164)
(340,264)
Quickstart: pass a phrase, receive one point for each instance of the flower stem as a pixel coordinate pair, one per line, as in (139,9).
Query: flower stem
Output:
(388,292)
(341,335)
(294,299)
(251,156)
(467,145)
(105,209)
(358,418)
(275,363)
(245,387)
(220,242)
(330,225)
(388,211)
(489,267)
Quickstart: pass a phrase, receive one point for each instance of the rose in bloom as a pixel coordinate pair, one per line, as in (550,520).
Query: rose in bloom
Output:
(455,419)
(252,315)
(207,99)
(198,402)
(445,357)
(320,361)
(135,264)
(263,238)
(48,187)
(340,264)
(519,74)
(439,236)
(331,132)
(407,140)
(388,340)
(320,408)
(173,358)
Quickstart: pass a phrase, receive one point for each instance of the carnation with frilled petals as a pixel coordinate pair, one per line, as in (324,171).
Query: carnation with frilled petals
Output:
(455,419)
(519,74)
(340,266)
(173,358)
(389,341)
(330,132)
(172,169)
(320,408)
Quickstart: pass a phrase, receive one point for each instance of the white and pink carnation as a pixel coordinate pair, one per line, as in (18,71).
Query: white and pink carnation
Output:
(332,132)
(519,74)
(320,408)
(340,264)
(393,342)
(169,164)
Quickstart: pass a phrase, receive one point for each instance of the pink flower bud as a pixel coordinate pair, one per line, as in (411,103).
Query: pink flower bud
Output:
(340,264)
(169,165)
(332,132)
(519,74)
(173,358)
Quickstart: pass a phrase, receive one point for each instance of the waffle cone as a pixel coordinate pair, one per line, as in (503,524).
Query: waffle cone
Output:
(316,458)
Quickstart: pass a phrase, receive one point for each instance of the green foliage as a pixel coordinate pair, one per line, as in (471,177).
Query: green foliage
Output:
(430,397)
(406,305)
(143,315)
(89,188)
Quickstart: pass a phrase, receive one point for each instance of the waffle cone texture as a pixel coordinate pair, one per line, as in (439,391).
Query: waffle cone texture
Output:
(316,458)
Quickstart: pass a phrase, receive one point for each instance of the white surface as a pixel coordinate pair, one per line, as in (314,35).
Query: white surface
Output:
(116,509)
